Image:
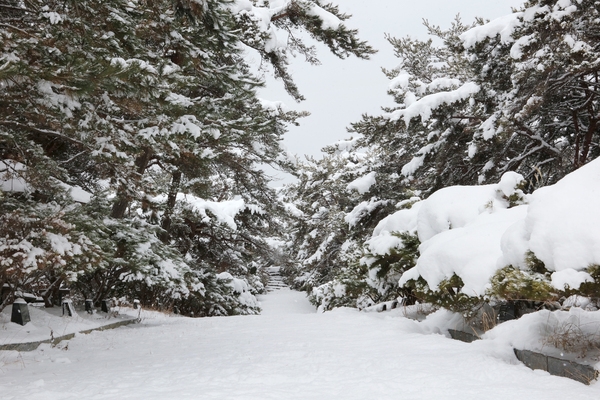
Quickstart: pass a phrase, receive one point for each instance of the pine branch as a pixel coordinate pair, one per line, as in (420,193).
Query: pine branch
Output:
(44,132)
(17,29)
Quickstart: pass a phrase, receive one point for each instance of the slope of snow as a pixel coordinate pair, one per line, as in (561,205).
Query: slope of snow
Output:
(287,353)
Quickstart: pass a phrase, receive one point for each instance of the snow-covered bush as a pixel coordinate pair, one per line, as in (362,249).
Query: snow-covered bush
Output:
(556,246)
(460,229)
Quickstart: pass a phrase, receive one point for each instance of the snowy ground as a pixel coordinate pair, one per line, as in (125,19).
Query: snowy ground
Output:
(47,323)
(289,352)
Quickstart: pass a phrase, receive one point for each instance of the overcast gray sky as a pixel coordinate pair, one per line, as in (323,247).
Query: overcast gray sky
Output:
(338,92)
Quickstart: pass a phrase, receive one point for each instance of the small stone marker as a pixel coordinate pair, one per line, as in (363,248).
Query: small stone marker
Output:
(89,306)
(105,306)
(175,310)
(67,308)
(136,304)
(20,312)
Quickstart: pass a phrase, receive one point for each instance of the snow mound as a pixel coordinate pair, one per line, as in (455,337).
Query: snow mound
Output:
(562,227)
(470,252)
(456,206)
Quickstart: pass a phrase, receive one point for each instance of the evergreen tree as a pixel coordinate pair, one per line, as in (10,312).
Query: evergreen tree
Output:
(150,108)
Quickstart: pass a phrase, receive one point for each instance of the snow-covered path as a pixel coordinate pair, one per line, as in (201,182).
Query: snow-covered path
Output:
(289,352)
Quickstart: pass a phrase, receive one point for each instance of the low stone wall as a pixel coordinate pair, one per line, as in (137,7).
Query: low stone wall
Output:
(556,366)
(462,336)
(30,346)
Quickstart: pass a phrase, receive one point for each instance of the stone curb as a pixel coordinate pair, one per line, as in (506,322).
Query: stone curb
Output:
(30,346)
(554,366)
(463,336)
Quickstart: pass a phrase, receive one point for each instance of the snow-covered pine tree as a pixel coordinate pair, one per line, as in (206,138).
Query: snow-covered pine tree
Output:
(542,64)
(142,104)
(423,142)
(337,202)
(514,94)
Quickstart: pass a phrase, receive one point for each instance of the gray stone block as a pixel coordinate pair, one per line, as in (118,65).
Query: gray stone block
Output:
(569,369)
(462,336)
(532,359)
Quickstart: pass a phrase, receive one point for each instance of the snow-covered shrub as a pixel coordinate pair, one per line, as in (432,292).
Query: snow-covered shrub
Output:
(43,246)
(461,228)
(554,251)
(347,290)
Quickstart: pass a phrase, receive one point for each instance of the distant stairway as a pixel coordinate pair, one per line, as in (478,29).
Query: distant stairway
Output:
(275,280)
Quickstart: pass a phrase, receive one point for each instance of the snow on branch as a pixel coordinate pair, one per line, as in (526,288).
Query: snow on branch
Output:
(427,104)
(224,211)
(503,26)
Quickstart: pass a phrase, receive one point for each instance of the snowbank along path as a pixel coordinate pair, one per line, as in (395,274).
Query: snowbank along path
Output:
(289,352)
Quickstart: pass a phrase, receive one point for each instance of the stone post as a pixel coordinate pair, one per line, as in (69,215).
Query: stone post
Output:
(20,312)
(89,306)
(67,308)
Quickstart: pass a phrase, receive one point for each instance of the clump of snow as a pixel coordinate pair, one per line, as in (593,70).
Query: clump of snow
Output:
(413,165)
(328,20)
(275,108)
(456,206)
(363,184)
(53,17)
(503,26)
(424,106)
(402,221)
(401,81)
(569,278)
(516,51)
(361,209)
(179,100)
(488,128)
(78,194)
(224,211)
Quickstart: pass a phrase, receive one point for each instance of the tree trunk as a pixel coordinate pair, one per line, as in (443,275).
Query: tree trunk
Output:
(123,200)
(171,201)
